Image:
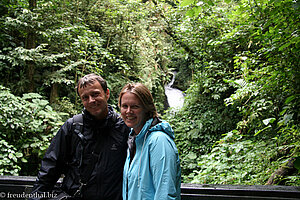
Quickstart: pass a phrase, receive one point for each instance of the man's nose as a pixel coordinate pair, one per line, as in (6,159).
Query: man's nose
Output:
(91,99)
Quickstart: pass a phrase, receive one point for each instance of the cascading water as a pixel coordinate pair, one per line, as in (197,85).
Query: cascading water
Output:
(175,96)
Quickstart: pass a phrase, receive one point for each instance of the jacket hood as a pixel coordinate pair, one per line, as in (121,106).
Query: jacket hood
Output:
(156,125)
(164,127)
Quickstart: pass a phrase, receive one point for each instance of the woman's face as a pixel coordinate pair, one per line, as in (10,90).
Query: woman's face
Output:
(133,112)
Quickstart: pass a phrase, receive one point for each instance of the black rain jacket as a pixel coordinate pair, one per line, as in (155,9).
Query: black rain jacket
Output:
(64,157)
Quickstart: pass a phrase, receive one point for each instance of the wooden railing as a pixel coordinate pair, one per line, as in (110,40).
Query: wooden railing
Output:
(238,192)
(16,187)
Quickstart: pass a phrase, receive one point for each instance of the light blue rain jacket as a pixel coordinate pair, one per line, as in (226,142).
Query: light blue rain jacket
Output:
(154,173)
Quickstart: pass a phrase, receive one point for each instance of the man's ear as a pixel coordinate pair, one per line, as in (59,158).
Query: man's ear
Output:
(107,94)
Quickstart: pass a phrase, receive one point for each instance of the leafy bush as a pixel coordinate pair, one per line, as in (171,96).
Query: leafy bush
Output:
(9,159)
(239,160)
(27,125)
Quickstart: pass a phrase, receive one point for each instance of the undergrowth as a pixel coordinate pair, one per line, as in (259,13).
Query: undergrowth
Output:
(246,161)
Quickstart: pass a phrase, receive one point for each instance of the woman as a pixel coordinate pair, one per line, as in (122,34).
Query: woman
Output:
(152,167)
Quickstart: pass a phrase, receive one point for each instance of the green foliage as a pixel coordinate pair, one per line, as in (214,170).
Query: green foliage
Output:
(119,40)
(28,124)
(204,117)
(200,123)
(109,38)
(9,159)
(132,32)
(244,55)
(64,105)
(237,160)
(237,62)
(297,163)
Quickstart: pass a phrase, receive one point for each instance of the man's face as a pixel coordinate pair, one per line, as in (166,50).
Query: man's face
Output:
(94,99)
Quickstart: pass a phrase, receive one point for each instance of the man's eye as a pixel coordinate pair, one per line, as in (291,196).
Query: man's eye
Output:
(124,106)
(84,98)
(95,94)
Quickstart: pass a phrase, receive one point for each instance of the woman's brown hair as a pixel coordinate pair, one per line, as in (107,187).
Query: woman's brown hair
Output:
(144,95)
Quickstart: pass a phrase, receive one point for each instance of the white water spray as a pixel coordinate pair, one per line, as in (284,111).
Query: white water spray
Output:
(175,96)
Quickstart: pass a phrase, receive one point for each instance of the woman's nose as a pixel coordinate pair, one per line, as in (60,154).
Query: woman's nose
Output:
(128,109)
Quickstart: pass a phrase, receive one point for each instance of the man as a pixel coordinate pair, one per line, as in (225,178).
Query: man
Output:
(91,159)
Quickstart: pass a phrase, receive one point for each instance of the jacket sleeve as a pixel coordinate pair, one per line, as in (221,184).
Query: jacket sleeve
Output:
(165,167)
(52,164)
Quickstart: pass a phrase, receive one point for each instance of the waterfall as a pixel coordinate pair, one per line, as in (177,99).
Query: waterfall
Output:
(175,96)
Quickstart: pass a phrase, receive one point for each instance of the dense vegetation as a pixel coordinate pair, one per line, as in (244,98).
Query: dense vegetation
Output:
(237,62)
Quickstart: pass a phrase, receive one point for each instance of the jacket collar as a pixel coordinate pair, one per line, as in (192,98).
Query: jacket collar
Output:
(91,121)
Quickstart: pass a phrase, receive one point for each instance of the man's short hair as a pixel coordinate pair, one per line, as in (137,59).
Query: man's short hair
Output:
(89,79)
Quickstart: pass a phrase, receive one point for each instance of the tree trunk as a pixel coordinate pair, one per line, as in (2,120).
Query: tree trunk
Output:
(54,93)
(30,44)
(283,171)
